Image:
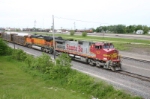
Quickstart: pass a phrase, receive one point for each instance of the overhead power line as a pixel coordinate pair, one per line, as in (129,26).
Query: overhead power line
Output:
(79,20)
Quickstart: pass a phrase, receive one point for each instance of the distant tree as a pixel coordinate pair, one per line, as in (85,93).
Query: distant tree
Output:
(130,29)
(120,29)
(145,29)
(104,28)
(99,29)
(94,30)
(84,34)
(72,33)
(138,27)
(111,28)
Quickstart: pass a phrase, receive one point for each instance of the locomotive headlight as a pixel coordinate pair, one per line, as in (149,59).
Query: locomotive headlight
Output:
(104,58)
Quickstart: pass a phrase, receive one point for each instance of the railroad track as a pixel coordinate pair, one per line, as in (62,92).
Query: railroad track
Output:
(143,78)
(145,61)
(137,76)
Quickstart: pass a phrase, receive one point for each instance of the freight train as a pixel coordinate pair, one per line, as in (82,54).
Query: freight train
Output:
(100,54)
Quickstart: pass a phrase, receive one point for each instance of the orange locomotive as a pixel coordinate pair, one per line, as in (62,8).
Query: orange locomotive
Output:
(43,43)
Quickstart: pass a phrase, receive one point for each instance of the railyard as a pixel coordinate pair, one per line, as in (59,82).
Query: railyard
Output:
(128,83)
(70,49)
(137,83)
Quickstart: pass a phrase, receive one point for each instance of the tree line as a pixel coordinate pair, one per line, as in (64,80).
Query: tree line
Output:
(122,29)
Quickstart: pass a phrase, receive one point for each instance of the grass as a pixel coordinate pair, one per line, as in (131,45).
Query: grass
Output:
(17,84)
(131,47)
(94,38)
(120,43)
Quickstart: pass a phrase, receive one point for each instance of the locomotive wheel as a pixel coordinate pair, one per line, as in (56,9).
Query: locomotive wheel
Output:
(98,64)
(91,62)
(50,51)
(42,49)
(113,68)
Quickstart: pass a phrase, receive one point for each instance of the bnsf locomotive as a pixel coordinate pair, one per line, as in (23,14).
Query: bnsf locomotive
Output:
(95,53)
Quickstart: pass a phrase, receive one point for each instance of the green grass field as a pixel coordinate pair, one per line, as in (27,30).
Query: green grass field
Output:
(120,43)
(94,38)
(17,84)
(18,81)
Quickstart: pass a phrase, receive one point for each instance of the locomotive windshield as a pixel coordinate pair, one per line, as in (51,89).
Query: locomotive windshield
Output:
(98,47)
(108,46)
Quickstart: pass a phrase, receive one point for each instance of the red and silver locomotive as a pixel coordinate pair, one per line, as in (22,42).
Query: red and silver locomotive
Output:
(100,54)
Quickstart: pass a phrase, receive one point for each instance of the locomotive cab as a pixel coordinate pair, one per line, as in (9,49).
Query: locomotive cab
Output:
(106,53)
(110,52)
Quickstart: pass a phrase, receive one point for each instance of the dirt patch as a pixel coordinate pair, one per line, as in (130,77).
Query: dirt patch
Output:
(139,49)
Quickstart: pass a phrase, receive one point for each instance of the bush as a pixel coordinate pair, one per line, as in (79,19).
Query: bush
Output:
(43,63)
(62,75)
(29,60)
(4,48)
(84,34)
(63,60)
(19,54)
(72,33)
(62,68)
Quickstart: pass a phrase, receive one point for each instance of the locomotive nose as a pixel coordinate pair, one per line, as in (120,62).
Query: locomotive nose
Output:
(112,54)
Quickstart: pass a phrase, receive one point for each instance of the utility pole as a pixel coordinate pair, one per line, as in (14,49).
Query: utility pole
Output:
(14,45)
(53,37)
(74,26)
(34,25)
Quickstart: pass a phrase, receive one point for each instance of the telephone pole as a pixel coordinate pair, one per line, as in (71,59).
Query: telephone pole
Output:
(34,25)
(74,26)
(53,36)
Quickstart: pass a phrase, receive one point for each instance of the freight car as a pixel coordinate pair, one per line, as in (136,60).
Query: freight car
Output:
(1,31)
(15,38)
(94,53)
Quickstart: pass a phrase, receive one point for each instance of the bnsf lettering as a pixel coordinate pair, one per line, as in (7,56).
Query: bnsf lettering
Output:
(74,48)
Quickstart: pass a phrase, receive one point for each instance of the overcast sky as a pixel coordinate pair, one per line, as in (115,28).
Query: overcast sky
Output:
(23,13)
